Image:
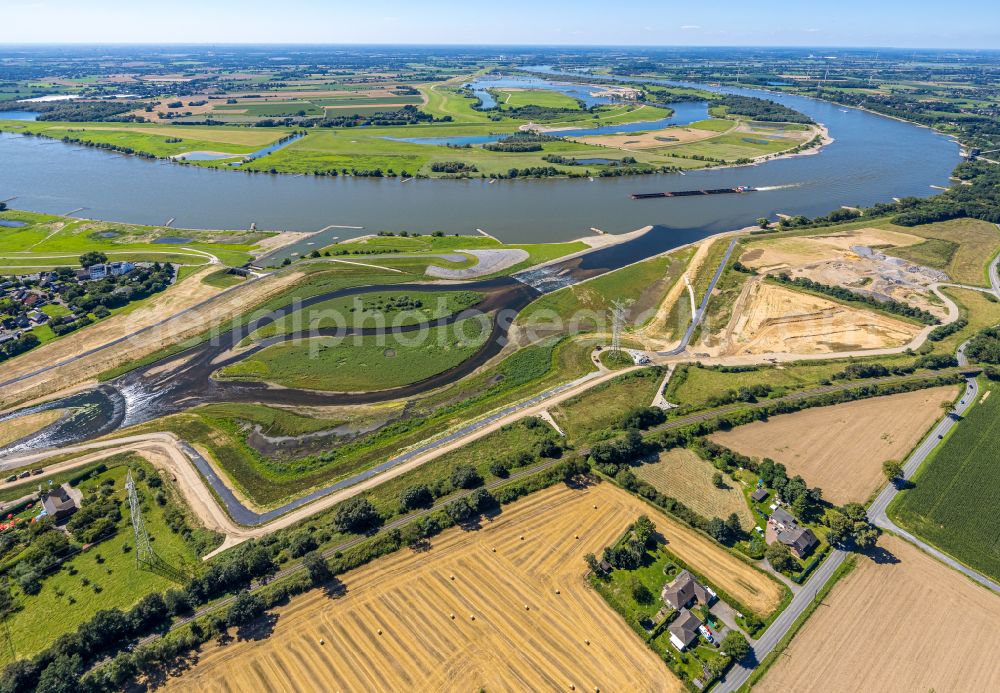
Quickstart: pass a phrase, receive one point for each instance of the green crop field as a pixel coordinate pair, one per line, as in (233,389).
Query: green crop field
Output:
(363,363)
(956,494)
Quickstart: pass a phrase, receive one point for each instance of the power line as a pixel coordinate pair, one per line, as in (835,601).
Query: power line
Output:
(144,555)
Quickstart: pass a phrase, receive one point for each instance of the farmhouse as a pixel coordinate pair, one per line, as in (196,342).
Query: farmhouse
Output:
(785,529)
(58,504)
(684,590)
(800,540)
(684,630)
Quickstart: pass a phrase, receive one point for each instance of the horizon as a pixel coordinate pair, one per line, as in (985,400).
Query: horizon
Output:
(855,24)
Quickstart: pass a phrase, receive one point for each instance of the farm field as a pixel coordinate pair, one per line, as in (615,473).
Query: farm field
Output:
(875,631)
(953,501)
(410,597)
(349,364)
(697,387)
(841,448)
(158,140)
(681,474)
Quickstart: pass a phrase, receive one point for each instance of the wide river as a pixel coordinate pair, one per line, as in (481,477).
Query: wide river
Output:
(872,160)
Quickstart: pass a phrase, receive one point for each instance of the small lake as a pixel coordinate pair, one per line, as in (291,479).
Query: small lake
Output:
(172,240)
(12,224)
(18,115)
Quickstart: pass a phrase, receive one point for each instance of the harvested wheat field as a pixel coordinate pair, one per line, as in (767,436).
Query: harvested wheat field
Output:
(511,629)
(841,448)
(904,624)
(771,319)
(683,475)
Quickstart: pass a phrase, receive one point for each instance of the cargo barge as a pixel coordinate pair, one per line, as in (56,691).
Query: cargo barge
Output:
(689,193)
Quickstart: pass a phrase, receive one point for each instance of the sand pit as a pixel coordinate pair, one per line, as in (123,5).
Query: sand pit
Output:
(797,251)
(841,448)
(493,642)
(768,318)
(900,625)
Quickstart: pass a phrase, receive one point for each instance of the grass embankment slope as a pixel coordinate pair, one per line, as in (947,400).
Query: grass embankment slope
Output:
(48,240)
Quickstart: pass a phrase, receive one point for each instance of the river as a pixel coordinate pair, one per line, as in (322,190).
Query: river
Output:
(872,160)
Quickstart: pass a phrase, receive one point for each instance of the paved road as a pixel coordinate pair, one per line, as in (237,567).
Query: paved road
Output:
(699,314)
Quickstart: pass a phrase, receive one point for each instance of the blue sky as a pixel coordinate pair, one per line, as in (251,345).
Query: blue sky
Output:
(903,23)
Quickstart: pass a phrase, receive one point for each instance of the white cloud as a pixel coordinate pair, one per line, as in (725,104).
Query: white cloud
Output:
(811,31)
(690,27)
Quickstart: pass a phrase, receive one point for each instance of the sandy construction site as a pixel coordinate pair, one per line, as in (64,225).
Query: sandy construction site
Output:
(505,607)
(768,318)
(841,448)
(859,259)
(885,618)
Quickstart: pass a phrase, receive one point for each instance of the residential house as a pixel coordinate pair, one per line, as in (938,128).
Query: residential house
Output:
(684,590)
(782,518)
(58,504)
(684,630)
(759,495)
(800,540)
